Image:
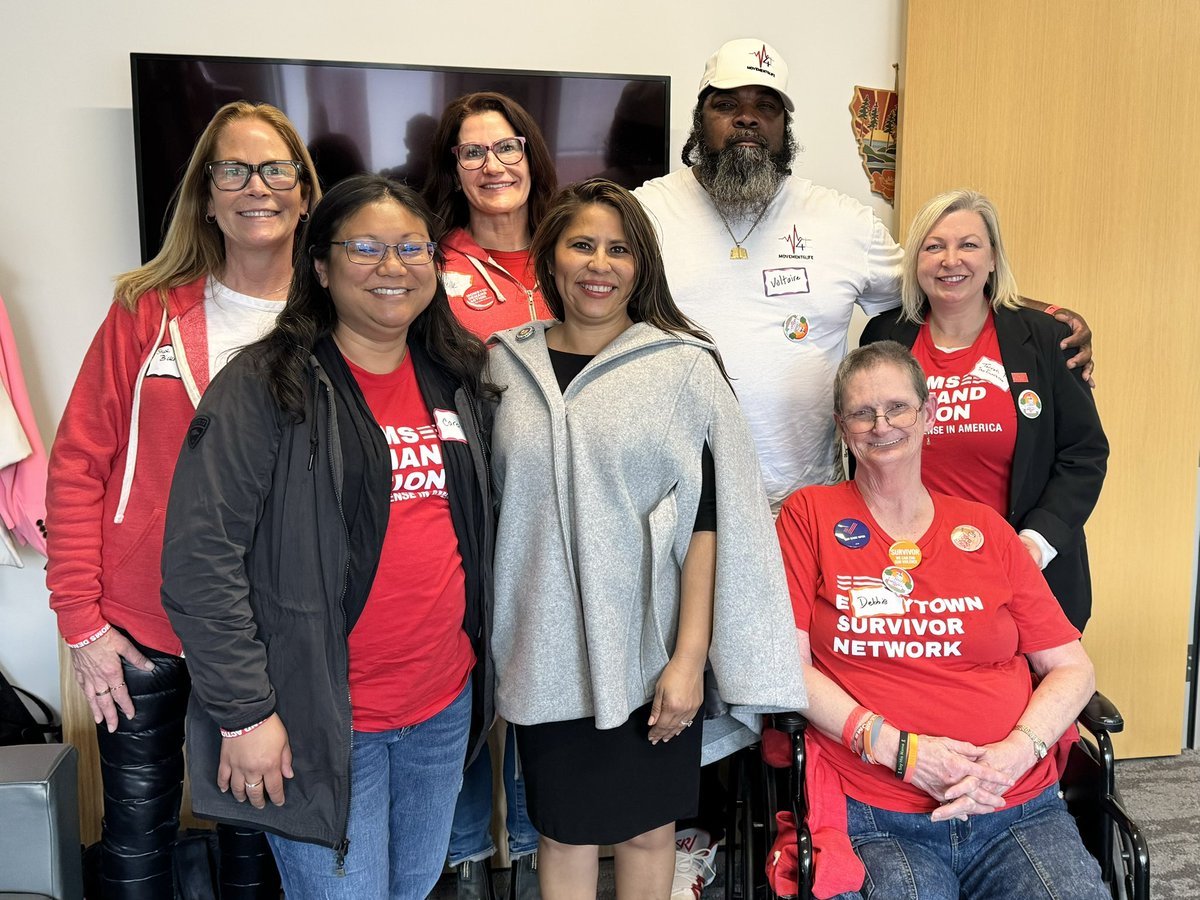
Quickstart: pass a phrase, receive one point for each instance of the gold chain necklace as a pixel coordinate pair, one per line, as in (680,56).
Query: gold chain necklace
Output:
(737,251)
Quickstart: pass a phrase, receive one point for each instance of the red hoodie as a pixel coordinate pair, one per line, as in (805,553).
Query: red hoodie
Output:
(138,388)
(484,296)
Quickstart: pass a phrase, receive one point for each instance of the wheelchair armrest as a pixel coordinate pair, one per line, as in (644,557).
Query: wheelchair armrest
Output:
(790,722)
(1101,716)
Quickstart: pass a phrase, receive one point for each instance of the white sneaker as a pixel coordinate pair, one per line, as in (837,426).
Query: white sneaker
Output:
(694,852)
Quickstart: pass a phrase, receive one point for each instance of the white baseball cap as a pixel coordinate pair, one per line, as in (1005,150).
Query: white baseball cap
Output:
(747,61)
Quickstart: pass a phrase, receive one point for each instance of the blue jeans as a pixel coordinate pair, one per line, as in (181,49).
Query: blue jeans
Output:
(471,834)
(403,784)
(1030,851)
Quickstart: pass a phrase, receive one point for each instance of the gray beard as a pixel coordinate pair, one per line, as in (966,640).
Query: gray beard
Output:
(740,180)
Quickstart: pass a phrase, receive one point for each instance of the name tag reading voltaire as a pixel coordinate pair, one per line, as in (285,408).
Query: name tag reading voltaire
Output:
(876,601)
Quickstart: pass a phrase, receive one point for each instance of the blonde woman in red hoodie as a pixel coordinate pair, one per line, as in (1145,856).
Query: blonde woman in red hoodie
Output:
(217,284)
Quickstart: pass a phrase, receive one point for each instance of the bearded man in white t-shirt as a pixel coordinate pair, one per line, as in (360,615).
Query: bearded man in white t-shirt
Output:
(771,265)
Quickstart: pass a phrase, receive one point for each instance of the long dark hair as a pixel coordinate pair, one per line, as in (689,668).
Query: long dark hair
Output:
(650,299)
(310,315)
(442,192)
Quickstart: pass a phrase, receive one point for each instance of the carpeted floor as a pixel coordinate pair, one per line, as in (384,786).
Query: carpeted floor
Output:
(1163,797)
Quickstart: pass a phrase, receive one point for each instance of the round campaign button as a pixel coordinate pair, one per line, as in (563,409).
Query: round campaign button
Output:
(898,581)
(852,533)
(525,333)
(905,554)
(967,537)
(1030,404)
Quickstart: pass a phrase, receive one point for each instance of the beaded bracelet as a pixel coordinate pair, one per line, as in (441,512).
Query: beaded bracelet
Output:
(95,637)
(241,731)
(860,716)
(856,742)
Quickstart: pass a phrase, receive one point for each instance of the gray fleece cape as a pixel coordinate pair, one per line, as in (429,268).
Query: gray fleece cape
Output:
(600,486)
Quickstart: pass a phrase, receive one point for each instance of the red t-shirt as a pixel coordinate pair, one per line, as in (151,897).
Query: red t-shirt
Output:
(944,659)
(970,447)
(517,264)
(409,655)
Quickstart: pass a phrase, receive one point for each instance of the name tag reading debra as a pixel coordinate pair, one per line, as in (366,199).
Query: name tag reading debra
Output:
(875,601)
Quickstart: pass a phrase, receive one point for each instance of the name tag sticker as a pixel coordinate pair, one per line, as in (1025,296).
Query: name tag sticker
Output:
(781,282)
(992,372)
(875,601)
(449,427)
(163,364)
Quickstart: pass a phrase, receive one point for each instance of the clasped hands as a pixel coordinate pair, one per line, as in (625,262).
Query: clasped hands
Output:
(969,780)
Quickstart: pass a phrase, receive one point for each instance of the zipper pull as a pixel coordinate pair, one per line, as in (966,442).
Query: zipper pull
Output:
(312,451)
(339,863)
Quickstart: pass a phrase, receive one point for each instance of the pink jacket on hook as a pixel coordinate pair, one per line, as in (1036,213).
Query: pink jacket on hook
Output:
(23,483)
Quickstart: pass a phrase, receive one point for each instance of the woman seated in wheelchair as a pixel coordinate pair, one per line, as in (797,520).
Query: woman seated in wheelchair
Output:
(920,616)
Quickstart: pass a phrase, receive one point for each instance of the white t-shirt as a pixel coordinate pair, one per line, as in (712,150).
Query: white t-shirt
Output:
(234,320)
(780,316)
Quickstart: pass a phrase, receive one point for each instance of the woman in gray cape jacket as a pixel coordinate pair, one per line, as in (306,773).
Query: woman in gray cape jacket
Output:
(634,545)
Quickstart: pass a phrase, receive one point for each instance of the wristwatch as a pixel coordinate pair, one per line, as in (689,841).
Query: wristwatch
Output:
(1039,746)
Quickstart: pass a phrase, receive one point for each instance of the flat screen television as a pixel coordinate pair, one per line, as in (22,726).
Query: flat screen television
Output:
(363,117)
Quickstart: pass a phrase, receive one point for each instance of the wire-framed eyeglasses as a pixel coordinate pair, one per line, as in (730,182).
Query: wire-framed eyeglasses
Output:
(372,253)
(898,415)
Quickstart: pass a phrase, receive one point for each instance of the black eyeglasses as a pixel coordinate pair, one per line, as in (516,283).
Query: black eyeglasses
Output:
(372,253)
(510,150)
(233,175)
(899,415)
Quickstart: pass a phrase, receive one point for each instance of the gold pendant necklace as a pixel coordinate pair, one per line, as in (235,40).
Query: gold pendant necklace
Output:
(737,251)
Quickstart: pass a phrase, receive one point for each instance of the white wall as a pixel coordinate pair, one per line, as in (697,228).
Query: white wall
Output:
(68,216)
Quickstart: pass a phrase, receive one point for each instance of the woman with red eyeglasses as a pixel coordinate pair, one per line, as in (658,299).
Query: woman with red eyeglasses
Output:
(491,181)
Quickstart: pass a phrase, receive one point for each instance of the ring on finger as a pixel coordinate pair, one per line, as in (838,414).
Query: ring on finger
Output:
(254,784)
(687,723)
(107,690)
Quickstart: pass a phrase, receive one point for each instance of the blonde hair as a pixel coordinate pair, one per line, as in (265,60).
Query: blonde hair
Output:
(193,247)
(1001,287)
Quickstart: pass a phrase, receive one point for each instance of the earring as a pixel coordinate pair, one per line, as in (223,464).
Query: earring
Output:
(209,218)
(303,217)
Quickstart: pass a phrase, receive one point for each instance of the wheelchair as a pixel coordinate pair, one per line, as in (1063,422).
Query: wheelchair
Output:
(1088,783)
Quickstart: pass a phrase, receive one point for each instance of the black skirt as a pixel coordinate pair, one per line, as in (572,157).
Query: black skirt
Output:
(586,786)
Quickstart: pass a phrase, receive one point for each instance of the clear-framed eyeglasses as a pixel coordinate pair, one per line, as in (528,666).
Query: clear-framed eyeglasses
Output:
(898,415)
(372,253)
(233,174)
(509,150)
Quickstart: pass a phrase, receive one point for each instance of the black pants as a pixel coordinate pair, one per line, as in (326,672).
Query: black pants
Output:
(141,765)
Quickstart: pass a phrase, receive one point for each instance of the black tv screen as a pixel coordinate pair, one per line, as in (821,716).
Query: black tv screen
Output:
(360,117)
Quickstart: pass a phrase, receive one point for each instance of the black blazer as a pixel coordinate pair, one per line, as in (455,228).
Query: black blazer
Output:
(1059,458)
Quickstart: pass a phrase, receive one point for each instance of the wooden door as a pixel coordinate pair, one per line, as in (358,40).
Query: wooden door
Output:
(1080,118)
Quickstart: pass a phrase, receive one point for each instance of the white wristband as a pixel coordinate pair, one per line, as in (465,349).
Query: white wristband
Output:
(241,731)
(95,637)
